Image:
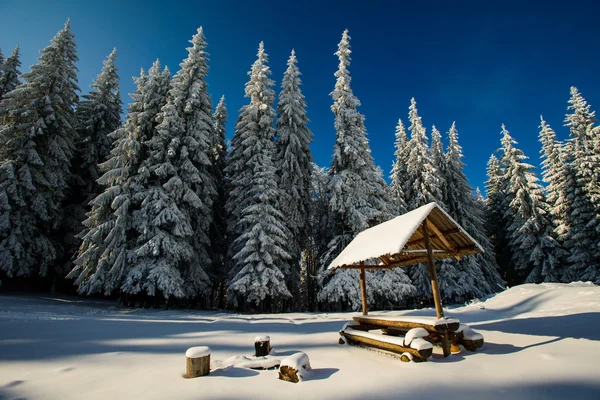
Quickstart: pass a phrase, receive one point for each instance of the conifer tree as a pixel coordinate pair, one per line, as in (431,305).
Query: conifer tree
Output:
(356,189)
(398,174)
(218,231)
(293,163)
(422,180)
(582,187)
(176,208)
(259,235)
(98,115)
(9,76)
(481,269)
(37,143)
(422,187)
(107,261)
(534,252)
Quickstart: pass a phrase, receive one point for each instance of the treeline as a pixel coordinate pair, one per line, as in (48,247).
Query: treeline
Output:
(161,209)
(551,232)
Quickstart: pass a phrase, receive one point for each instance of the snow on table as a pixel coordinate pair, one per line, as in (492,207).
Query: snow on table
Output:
(417,343)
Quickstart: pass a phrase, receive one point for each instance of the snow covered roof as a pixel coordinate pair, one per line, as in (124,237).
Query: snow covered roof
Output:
(400,241)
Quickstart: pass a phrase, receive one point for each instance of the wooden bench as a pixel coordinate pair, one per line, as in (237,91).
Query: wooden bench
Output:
(447,331)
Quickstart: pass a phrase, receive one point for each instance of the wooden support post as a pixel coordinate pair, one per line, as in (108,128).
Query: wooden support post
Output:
(435,289)
(363,291)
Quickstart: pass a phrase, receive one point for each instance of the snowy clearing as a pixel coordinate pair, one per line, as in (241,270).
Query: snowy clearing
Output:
(541,342)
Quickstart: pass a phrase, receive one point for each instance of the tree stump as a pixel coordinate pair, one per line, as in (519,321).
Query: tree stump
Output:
(262,346)
(294,367)
(197,361)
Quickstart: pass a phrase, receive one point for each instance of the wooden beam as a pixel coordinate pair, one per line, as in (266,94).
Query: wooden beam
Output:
(431,226)
(363,291)
(435,289)
(445,233)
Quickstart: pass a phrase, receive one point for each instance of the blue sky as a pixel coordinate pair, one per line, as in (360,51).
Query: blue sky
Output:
(479,63)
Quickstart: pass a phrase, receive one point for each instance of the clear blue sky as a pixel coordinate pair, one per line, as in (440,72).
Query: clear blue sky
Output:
(479,63)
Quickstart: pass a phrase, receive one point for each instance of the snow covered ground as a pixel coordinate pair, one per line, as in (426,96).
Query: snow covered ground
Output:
(542,342)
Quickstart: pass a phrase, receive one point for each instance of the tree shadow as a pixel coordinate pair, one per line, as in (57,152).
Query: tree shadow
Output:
(233,372)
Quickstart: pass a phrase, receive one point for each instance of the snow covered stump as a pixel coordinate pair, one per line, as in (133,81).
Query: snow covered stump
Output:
(197,361)
(262,346)
(294,367)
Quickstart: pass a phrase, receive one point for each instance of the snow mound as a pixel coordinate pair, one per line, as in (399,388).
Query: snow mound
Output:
(413,334)
(299,362)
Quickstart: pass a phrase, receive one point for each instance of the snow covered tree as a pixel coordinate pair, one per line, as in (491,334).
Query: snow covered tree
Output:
(534,252)
(422,187)
(582,187)
(9,76)
(37,143)
(293,164)
(481,270)
(398,174)
(172,247)
(422,177)
(218,231)
(553,174)
(259,234)
(98,114)
(356,189)
(106,260)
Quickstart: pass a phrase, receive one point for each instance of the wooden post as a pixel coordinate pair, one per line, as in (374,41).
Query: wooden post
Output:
(262,346)
(435,289)
(363,290)
(197,361)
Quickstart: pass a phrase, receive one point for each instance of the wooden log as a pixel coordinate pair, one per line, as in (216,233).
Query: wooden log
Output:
(293,368)
(418,355)
(262,346)
(197,361)
(363,291)
(452,325)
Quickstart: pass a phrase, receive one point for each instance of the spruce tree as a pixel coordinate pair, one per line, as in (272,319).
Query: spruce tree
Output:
(98,115)
(218,230)
(176,207)
(357,192)
(37,143)
(534,252)
(293,163)
(107,261)
(398,173)
(259,235)
(9,76)
(422,187)
(582,188)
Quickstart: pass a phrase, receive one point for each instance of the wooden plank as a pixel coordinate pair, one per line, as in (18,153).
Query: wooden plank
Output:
(420,355)
(431,227)
(406,325)
(363,291)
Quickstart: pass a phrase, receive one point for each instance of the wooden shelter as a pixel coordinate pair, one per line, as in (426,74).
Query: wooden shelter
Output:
(425,234)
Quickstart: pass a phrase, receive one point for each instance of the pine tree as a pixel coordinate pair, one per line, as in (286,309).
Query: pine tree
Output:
(37,143)
(176,207)
(422,187)
(98,114)
(582,187)
(9,76)
(260,237)
(106,260)
(533,249)
(218,231)
(398,174)
(357,192)
(422,179)
(293,163)
(553,174)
